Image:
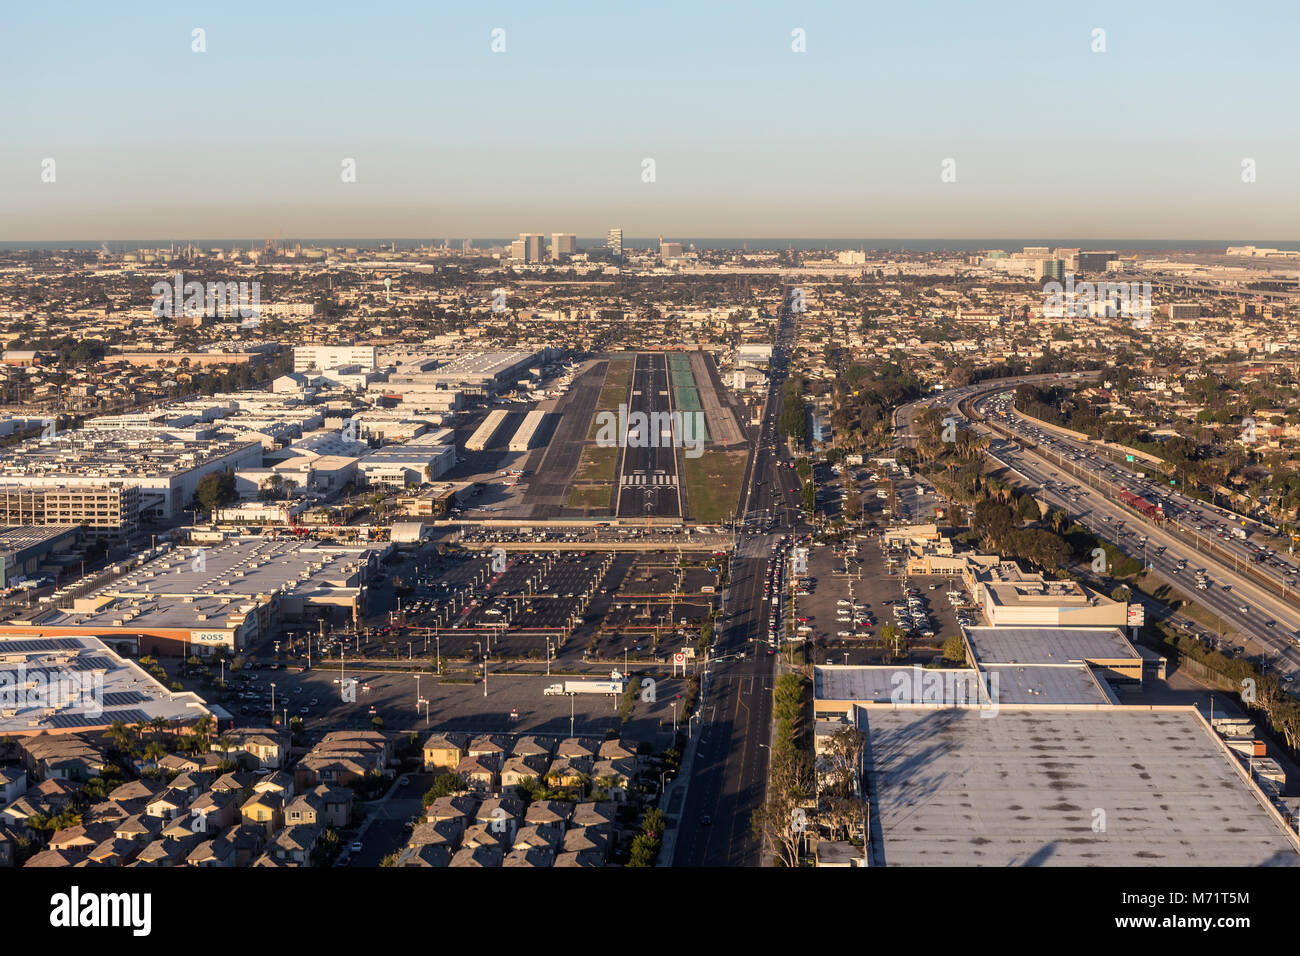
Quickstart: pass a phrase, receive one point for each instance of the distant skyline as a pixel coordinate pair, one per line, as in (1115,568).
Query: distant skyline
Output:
(802,243)
(748,138)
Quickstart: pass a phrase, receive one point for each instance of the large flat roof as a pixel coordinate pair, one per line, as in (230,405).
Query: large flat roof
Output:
(66,684)
(204,587)
(1049,645)
(1022,789)
(1042,685)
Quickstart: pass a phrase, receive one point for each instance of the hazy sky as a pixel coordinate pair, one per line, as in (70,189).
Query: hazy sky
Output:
(152,140)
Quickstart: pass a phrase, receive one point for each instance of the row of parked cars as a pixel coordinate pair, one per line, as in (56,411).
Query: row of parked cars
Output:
(911,613)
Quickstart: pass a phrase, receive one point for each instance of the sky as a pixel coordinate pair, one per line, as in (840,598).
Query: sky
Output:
(850,138)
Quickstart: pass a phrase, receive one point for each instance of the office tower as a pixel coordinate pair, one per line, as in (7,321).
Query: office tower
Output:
(669,250)
(615,242)
(1051,269)
(534,246)
(563,245)
(1094,261)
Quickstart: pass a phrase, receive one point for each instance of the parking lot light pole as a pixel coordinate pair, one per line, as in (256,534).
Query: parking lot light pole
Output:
(485,675)
(417,693)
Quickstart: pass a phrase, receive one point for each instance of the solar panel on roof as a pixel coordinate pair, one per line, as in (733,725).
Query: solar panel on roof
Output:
(35,645)
(91,664)
(123,698)
(132,716)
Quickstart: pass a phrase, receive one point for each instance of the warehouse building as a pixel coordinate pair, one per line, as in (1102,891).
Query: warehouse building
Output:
(197,600)
(26,551)
(67,685)
(1039,765)
(530,431)
(486,431)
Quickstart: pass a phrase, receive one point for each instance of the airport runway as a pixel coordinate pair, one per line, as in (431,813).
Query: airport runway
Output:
(649,479)
(548,487)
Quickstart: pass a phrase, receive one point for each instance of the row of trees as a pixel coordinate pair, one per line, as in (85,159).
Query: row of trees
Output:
(781,823)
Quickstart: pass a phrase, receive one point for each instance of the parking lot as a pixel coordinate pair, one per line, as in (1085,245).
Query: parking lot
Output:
(513,703)
(850,598)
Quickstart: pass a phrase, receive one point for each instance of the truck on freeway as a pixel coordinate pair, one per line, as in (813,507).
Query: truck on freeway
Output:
(608,687)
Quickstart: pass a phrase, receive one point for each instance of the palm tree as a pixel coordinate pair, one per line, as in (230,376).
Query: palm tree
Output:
(155,751)
(118,734)
(204,725)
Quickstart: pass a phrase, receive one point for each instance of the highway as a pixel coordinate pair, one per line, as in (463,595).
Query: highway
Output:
(1269,624)
(729,775)
(1083,489)
(1204,525)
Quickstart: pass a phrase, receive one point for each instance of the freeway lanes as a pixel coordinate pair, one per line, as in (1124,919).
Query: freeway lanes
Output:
(1196,520)
(1101,514)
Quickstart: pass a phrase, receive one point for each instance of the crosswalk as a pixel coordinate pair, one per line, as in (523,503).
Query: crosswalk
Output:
(639,479)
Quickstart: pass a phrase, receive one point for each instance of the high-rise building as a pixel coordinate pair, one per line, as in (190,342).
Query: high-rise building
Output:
(1051,269)
(1094,261)
(563,244)
(669,250)
(530,247)
(615,241)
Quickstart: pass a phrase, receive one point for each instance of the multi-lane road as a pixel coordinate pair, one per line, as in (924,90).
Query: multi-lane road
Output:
(729,774)
(1076,478)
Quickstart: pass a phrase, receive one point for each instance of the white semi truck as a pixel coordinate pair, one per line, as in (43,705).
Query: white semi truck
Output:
(607,687)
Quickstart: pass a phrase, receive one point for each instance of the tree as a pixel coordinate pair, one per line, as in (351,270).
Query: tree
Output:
(781,822)
(444,785)
(155,751)
(954,649)
(214,490)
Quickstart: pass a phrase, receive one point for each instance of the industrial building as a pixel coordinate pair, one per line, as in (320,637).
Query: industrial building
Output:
(483,435)
(1112,786)
(528,433)
(165,465)
(111,511)
(197,600)
(1040,765)
(26,552)
(67,684)
(307,358)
